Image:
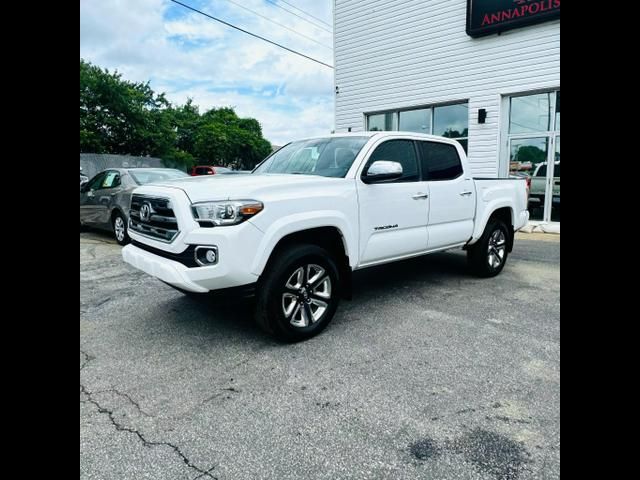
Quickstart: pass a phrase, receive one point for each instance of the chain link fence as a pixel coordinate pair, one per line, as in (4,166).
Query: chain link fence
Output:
(92,163)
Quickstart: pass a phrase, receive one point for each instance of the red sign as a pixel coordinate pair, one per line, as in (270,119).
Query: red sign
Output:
(485,17)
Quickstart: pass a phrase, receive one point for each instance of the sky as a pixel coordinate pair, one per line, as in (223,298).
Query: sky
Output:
(187,55)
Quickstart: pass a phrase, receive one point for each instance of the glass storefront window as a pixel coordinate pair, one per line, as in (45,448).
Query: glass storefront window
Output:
(451,121)
(382,122)
(416,120)
(534,150)
(530,113)
(528,158)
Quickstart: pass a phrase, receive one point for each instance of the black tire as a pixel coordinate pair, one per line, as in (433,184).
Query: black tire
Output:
(121,238)
(273,294)
(483,255)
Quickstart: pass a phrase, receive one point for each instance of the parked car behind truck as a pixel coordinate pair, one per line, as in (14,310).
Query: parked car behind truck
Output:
(208,170)
(293,231)
(105,199)
(539,184)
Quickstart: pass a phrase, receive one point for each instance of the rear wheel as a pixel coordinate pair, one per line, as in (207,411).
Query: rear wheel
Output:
(488,255)
(298,294)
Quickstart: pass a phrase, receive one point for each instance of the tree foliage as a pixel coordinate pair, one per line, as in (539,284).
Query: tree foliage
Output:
(123,117)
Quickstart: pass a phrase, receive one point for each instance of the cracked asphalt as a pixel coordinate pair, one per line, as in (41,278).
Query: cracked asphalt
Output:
(428,373)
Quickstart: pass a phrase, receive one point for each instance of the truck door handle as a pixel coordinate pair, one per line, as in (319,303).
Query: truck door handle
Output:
(420,195)
(462,194)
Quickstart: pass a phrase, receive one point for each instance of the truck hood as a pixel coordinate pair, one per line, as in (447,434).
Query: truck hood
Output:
(238,187)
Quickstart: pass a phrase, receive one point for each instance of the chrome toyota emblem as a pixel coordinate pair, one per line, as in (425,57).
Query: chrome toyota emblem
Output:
(145,212)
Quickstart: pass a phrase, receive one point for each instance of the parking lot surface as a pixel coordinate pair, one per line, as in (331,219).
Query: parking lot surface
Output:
(427,373)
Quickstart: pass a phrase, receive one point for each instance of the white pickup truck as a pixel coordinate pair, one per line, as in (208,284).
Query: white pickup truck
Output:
(292,232)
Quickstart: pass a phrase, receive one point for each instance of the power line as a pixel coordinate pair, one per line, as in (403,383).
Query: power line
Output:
(295,14)
(307,13)
(252,34)
(281,25)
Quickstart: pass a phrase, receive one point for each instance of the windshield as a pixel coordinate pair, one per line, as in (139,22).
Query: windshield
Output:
(150,175)
(327,157)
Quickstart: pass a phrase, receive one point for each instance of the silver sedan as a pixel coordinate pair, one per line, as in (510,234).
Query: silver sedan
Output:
(105,199)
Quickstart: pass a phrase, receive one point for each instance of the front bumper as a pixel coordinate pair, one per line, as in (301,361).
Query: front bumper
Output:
(196,279)
(168,261)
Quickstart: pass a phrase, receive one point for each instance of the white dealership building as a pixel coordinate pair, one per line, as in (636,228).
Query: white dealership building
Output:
(486,72)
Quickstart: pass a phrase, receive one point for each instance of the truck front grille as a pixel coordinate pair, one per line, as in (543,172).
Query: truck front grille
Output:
(153,217)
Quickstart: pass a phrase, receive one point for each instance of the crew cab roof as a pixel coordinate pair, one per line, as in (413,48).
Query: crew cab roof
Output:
(391,133)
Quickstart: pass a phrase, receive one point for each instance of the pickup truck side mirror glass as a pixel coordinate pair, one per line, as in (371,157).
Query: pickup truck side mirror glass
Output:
(382,171)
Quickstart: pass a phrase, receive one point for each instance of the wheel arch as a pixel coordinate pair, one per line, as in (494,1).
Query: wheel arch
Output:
(117,209)
(328,237)
(502,211)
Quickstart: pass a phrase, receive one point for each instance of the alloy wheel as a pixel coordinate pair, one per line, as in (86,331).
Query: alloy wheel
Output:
(497,248)
(307,294)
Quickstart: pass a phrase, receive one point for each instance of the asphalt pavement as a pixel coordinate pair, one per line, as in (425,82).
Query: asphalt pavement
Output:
(428,373)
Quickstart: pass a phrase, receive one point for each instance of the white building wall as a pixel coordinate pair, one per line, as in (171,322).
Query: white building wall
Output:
(405,53)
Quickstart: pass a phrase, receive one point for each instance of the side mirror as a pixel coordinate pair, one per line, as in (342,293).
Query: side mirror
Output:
(382,171)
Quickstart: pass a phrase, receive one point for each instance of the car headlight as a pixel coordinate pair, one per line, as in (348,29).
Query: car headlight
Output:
(226,212)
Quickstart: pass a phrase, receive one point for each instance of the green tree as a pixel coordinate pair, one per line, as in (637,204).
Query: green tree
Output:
(530,153)
(117,116)
(225,139)
(186,119)
(123,117)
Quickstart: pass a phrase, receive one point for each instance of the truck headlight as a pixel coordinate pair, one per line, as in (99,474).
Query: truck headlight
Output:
(226,212)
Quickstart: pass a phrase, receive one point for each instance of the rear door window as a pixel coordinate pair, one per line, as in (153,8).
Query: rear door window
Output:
(111,180)
(440,161)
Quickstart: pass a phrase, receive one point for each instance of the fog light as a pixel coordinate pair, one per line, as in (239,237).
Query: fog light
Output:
(206,255)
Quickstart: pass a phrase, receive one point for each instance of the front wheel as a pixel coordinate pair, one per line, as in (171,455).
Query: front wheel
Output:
(488,255)
(120,229)
(299,293)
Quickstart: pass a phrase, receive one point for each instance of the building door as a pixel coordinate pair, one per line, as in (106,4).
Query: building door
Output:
(534,150)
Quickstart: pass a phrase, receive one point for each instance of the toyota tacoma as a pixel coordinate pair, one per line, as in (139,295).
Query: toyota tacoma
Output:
(292,232)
